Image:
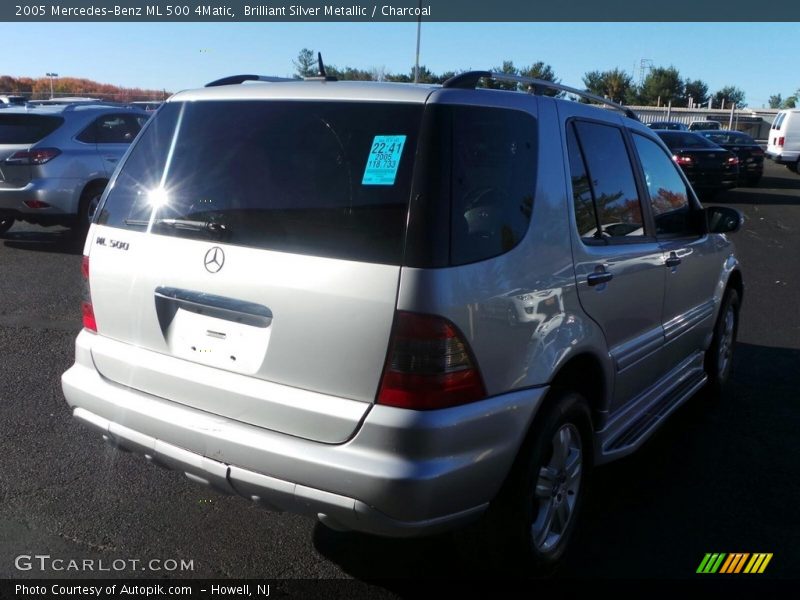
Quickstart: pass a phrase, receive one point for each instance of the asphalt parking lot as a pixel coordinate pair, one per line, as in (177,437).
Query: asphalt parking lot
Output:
(722,476)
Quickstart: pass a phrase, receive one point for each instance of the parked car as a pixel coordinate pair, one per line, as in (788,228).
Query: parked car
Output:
(55,161)
(147,105)
(709,167)
(783,145)
(749,152)
(6,101)
(704,125)
(284,287)
(670,125)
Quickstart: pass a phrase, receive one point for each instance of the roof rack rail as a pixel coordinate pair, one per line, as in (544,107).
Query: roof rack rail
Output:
(470,79)
(74,105)
(234,79)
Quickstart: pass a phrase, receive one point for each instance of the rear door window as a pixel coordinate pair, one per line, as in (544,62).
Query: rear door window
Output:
(602,171)
(112,129)
(26,129)
(321,178)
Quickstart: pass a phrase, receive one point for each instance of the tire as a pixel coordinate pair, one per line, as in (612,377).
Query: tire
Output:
(796,167)
(90,200)
(6,224)
(527,528)
(719,356)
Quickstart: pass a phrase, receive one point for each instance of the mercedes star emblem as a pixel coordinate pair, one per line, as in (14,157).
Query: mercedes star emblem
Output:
(214,260)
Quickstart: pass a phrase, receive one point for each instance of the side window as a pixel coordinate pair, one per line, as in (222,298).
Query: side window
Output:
(88,135)
(117,129)
(492,182)
(669,197)
(602,171)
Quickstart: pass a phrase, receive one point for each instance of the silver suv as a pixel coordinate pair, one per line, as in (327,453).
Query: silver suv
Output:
(55,161)
(400,308)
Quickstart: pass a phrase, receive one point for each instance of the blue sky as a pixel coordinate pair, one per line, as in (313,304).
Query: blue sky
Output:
(175,56)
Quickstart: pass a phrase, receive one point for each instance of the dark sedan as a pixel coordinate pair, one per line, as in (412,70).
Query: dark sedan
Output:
(708,167)
(671,125)
(751,155)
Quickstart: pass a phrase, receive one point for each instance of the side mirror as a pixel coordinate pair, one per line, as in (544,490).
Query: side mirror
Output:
(722,219)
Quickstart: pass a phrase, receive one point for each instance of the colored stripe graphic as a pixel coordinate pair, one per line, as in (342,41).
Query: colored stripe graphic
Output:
(734,563)
(741,563)
(722,563)
(711,563)
(758,563)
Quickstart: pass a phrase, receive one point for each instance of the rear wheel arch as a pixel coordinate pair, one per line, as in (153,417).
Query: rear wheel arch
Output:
(585,375)
(90,191)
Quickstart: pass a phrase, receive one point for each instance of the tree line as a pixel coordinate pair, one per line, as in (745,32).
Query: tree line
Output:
(661,86)
(39,88)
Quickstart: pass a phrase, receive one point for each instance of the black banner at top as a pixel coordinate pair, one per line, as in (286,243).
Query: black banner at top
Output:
(395,10)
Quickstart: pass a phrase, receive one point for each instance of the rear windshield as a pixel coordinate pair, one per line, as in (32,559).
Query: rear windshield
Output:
(26,129)
(728,137)
(321,178)
(686,140)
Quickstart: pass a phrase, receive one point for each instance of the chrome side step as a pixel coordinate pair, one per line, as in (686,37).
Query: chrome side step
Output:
(641,423)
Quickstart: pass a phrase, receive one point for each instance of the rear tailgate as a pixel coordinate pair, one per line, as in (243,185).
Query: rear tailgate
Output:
(246,260)
(283,341)
(18,133)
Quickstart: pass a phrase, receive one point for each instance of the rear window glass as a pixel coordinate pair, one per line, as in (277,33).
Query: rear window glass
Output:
(679,139)
(728,138)
(26,129)
(320,178)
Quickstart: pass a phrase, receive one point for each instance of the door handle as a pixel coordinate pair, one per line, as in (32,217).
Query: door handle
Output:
(673,260)
(599,277)
(111,159)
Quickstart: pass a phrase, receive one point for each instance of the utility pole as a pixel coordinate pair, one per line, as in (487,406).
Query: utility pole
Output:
(51,76)
(419,35)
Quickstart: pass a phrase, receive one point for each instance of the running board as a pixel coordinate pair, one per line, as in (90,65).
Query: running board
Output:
(637,432)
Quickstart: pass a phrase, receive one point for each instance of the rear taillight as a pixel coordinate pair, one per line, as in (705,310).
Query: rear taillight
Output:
(429,365)
(39,156)
(35,204)
(780,141)
(682,160)
(87,309)
(732,160)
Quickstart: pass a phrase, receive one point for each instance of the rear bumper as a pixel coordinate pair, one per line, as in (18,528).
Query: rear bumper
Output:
(714,181)
(61,194)
(783,157)
(403,473)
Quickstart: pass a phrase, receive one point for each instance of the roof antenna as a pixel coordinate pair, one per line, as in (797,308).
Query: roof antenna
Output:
(322,74)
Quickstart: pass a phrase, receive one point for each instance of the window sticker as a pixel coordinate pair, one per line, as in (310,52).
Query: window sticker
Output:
(383,160)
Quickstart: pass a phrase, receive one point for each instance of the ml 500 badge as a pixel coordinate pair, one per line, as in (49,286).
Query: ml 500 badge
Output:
(101,241)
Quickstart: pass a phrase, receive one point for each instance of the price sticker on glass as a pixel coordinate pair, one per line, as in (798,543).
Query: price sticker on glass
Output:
(383,160)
